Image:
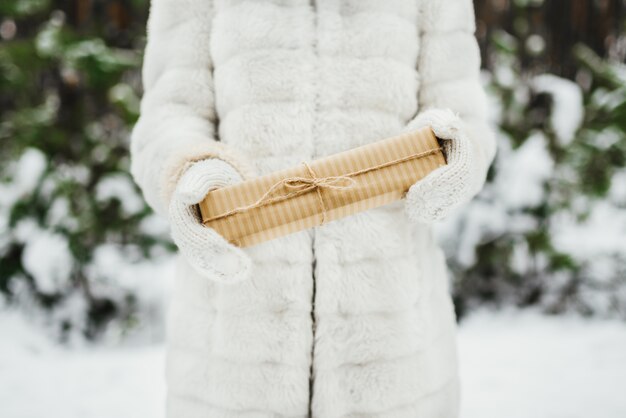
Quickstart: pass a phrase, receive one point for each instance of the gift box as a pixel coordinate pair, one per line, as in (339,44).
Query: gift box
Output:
(322,190)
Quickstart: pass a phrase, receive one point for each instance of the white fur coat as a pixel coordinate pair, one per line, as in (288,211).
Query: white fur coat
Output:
(350,319)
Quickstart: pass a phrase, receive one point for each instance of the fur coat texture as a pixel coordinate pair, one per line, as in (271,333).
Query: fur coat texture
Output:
(349,319)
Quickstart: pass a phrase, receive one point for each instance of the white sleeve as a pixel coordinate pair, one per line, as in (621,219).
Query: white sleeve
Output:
(177,122)
(449,73)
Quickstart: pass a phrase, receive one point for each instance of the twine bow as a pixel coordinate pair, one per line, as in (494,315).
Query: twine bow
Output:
(307,183)
(302,185)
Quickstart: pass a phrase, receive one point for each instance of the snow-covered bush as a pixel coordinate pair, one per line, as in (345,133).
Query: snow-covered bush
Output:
(550,226)
(77,243)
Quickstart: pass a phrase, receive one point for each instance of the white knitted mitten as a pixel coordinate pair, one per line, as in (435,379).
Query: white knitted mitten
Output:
(446,188)
(210,254)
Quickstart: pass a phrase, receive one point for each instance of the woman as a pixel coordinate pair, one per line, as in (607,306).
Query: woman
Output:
(352,318)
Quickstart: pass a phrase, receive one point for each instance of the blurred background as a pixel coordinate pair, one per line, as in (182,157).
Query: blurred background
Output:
(538,260)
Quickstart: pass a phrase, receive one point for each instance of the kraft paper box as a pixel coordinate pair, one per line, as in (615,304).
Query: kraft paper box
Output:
(320,191)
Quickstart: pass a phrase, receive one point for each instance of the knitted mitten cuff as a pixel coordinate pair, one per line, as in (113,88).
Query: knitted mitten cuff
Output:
(208,253)
(448,187)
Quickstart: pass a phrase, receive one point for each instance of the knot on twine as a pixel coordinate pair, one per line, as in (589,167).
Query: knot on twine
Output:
(304,184)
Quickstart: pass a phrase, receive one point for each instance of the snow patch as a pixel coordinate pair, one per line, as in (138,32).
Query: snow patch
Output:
(48,259)
(523,172)
(567,110)
(602,233)
(25,175)
(119,186)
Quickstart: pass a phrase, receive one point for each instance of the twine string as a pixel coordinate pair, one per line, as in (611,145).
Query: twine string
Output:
(331,182)
(301,185)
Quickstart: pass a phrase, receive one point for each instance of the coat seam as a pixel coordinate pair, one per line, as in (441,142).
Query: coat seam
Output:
(452,380)
(213,405)
(313,328)
(393,359)
(326,108)
(315,88)
(202,352)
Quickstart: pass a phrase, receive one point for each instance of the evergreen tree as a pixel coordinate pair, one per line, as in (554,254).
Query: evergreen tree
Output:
(69,96)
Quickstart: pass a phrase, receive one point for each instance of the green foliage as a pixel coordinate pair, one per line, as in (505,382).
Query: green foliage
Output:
(564,250)
(68,102)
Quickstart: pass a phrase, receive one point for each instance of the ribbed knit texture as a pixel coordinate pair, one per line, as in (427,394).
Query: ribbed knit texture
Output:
(448,187)
(206,251)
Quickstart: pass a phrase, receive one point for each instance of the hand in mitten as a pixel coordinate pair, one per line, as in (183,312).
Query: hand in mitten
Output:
(448,187)
(210,254)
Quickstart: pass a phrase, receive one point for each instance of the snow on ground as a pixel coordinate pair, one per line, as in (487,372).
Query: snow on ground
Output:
(524,365)
(513,364)
(38,379)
